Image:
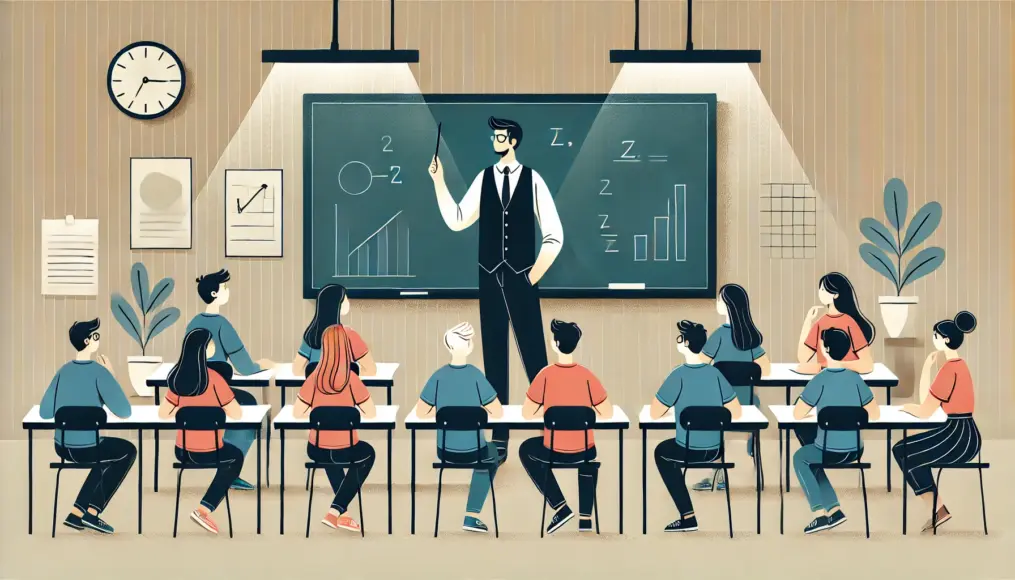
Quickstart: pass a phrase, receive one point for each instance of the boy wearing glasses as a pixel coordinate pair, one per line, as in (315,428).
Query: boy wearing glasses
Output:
(84,382)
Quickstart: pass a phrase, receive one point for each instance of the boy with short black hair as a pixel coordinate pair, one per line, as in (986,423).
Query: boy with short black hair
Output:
(84,382)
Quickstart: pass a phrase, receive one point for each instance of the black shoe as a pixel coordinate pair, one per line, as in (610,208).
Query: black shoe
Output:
(836,519)
(818,524)
(584,525)
(74,522)
(502,451)
(560,518)
(684,525)
(95,523)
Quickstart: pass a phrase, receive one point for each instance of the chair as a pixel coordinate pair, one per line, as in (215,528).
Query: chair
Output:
(979,466)
(340,419)
(710,419)
(744,374)
(307,371)
(460,419)
(75,419)
(199,419)
(846,419)
(565,418)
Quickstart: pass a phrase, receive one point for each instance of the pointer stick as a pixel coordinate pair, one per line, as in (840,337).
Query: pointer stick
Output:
(438,140)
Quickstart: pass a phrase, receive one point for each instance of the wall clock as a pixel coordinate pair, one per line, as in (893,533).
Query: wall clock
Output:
(146,80)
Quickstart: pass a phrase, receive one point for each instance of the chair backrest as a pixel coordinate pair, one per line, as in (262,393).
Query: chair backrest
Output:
(201,419)
(80,419)
(474,419)
(222,368)
(705,418)
(565,418)
(335,418)
(740,374)
(842,419)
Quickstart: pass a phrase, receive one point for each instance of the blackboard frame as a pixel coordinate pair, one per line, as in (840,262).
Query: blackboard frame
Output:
(309,292)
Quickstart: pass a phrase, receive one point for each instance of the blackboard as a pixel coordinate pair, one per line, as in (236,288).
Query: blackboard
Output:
(633,177)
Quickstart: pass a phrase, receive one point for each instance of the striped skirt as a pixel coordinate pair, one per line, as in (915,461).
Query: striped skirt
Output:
(957,441)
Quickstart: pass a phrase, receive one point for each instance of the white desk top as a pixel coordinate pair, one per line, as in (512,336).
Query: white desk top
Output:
(783,373)
(513,416)
(161,375)
(385,374)
(387,416)
(890,415)
(750,414)
(141,415)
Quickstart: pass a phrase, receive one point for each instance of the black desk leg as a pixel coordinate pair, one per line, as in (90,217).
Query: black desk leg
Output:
(140,466)
(389,394)
(782,505)
(644,481)
(267,450)
(29,482)
(155,435)
(389,482)
(258,480)
(157,396)
(789,395)
(757,474)
(412,485)
(888,445)
(904,493)
(281,482)
(621,476)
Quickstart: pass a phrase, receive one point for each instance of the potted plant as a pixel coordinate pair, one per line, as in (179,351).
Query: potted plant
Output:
(885,252)
(151,324)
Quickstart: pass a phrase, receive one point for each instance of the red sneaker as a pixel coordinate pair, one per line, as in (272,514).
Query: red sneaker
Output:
(205,521)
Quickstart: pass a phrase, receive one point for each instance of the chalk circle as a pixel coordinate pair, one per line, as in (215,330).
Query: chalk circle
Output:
(370,175)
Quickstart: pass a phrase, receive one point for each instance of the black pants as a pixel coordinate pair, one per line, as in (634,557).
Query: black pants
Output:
(671,457)
(232,463)
(536,461)
(506,297)
(957,441)
(345,485)
(116,456)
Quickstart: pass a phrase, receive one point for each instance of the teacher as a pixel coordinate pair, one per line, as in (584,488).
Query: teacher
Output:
(510,201)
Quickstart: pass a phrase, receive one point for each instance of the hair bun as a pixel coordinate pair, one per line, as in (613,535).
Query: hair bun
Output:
(965,321)
(198,279)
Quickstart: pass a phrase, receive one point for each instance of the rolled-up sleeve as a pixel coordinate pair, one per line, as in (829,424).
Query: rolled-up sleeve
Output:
(546,214)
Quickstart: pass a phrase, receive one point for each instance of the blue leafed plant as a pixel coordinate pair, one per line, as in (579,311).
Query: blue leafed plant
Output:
(148,299)
(887,248)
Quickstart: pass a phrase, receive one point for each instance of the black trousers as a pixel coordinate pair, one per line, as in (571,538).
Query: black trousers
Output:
(536,461)
(232,464)
(957,441)
(506,297)
(116,456)
(345,486)
(670,460)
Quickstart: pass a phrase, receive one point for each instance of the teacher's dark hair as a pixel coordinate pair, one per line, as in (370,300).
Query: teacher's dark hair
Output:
(836,283)
(746,335)
(189,377)
(514,130)
(82,331)
(211,283)
(566,335)
(328,313)
(695,336)
(837,342)
(955,330)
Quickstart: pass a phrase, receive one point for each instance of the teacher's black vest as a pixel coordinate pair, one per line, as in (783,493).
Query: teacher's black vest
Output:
(507,234)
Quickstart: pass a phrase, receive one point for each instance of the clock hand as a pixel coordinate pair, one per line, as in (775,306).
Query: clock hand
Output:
(159,81)
(139,90)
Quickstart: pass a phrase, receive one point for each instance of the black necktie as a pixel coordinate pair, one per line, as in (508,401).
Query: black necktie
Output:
(505,190)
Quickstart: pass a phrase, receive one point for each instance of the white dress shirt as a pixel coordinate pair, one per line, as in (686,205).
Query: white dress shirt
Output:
(459,216)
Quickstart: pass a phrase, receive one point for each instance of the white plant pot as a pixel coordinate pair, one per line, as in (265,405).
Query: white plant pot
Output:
(139,368)
(895,313)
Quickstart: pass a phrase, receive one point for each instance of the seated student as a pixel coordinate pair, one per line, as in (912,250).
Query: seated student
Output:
(193,383)
(835,292)
(738,340)
(333,384)
(836,386)
(956,441)
(332,304)
(460,384)
(563,384)
(228,349)
(83,382)
(692,384)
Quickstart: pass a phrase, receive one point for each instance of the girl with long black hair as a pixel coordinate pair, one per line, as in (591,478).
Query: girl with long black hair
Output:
(332,305)
(838,300)
(193,384)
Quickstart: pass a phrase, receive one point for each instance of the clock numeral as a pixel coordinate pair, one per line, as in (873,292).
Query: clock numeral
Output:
(161,55)
(161,105)
(120,65)
(131,56)
(171,66)
(120,95)
(171,95)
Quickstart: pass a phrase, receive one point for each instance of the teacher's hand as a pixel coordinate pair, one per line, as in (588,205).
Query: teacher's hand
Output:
(436,170)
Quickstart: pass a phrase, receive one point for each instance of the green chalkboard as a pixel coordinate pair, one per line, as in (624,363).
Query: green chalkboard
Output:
(633,177)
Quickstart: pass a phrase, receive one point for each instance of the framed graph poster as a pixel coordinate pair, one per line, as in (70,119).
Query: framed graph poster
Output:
(253,213)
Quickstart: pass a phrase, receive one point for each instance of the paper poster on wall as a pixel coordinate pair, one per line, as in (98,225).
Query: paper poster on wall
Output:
(70,257)
(161,203)
(253,211)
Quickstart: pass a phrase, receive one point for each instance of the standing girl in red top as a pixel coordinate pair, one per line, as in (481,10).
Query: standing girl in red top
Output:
(333,384)
(958,440)
(835,292)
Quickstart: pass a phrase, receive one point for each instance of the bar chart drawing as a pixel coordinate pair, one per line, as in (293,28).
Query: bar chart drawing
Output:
(668,231)
(640,240)
(383,254)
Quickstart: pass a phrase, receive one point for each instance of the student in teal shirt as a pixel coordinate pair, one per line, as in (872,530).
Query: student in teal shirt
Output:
(229,352)
(460,384)
(835,386)
(693,384)
(84,382)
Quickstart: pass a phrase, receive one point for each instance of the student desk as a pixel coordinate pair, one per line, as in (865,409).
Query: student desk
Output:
(385,378)
(386,420)
(891,418)
(512,419)
(146,418)
(784,375)
(751,420)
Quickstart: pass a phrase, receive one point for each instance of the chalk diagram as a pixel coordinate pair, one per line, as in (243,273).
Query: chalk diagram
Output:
(356,177)
(254,213)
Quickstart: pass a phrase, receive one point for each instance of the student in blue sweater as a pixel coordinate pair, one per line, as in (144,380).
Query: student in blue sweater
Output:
(229,353)
(84,382)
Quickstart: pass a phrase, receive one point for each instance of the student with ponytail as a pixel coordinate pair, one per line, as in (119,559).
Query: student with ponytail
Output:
(836,294)
(958,440)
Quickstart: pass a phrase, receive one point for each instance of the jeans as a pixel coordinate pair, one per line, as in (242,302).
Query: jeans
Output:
(813,480)
(232,462)
(361,455)
(481,478)
(670,458)
(536,461)
(116,457)
(241,439)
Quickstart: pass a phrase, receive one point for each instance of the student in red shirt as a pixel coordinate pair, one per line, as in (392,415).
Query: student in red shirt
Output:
(563,384)
(333,384)
(193,384)
(838,299)
(958,440)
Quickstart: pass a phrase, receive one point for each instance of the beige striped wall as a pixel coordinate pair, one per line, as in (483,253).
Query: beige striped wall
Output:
(863,91)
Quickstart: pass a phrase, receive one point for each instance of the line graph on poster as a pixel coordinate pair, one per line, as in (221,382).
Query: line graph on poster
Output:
(253,213)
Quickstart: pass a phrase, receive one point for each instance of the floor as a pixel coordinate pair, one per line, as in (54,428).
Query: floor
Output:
(959,551)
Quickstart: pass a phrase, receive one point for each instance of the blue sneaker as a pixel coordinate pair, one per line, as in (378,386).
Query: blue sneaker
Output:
(818,524)
(95,523)
(473,524)
(241,485)
(836,519)
(560,518)
(74,522)
(706,484)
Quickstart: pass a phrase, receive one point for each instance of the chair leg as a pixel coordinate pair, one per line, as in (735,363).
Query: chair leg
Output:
(729,506)
(311,473)
(493,497)
(176,512)
(933,507)
(983,502)
(437,518)
(866,518)
(56,500)
(595,498)
(359,500)
(308,481)
(542,522)
(229,515)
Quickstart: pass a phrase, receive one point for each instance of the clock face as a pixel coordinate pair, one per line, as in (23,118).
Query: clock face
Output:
(146,80)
